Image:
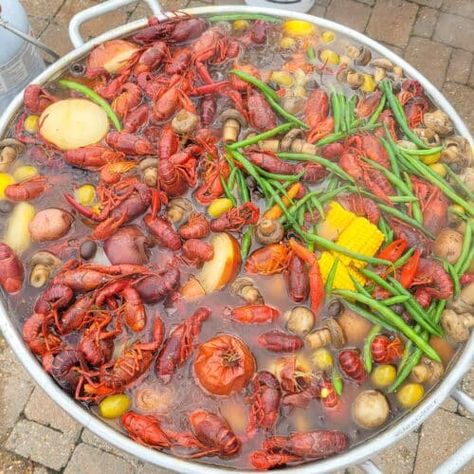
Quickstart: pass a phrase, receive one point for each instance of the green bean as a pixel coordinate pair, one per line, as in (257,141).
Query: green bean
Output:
(317,159)
(422,170)
(318,206)
(311,54)
(335,137)
(368,347)
(261,136)
(301,202)
(383,226)
(281,177)
(399,299)
(301,212)
(282,186)
(454,277)
(416,152)
(394,320)
(227,192)
(391,154)
(232,179)
(399,114)
(243,188)
(378,110)
(264,88)
(349,113)
(402,199)
(439,310)
(337,381)
(243,16)
(403,217)
(406,352)
(466,247)
(379,280)
(92,95)
(406,370)
(404,258)
(467,262)
(460,183)
(374,319)
(415,207)
(246,243)
(311,245)
(284,113)
(358,286)
(330,278)
(336,111)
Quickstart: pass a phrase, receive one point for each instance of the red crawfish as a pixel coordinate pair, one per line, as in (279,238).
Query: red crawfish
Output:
(76,315)
(279,341)
(197,227)
(116,376)
(65,368)
(155,287)
(268,260)
(151,57)
(362,206)
(146,430)
(351,364)
(212,173)
(386,350)
(394,250)
(37,334)
(129,143)
(215,435)
(409,270)
(263,461)
(28,189)
(132,307)
(433,203)
(168,144)
(316,285)
(112,173)
(208,108)
(179,344)
(236,218)
(254,314)
(414,237)
(268,161)
(297,279)
(11,276)
(196,251)
(261,115)
(92,157)
(319,388)
(264,401)
(37,98)
(136,119)
(129,98)
(366,105)
(316,113)
(178,62)
(159,227)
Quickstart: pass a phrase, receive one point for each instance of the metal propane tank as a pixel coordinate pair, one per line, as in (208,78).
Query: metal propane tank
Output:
(20,61)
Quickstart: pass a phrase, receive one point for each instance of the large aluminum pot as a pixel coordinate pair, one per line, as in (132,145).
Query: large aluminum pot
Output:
(359,454)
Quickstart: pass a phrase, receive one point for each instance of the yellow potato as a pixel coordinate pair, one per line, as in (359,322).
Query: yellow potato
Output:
(17,235)
(298,28)
(72,123)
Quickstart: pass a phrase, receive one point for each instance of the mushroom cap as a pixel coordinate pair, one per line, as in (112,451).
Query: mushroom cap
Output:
(384,63)
(11,142)
(370,409)
(148,163)
(232,114)
(337,335)
(286,141)
(45,258)
(269,231)
(455,326)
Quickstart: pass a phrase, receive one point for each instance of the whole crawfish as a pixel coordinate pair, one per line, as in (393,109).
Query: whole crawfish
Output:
(146,429)
(254,314)
(197,227)
(236,218)
(11,276)
(268,260)
(352,365)
(196,251)
(318,388)
(129,98)
(264,401)
(28,189)
(179,344)
(279,341)
(316,113)
(413,236)
(65,368)
(212,173)
(116,376)
(92,157)
(261,115)
(366,105)
(152,57)
(362,206)
(129,143)
(158,286)
(385,350)
(38,335)
(297,279)
(36,99)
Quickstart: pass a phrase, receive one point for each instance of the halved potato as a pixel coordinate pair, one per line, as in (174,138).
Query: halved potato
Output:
(72,123)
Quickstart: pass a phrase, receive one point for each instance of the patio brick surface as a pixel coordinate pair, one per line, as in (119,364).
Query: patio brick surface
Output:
(435,36)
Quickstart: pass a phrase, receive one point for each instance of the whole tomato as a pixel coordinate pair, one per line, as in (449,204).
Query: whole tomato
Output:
(224,365)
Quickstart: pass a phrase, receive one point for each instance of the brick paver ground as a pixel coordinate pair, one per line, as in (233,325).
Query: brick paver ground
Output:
(437,37)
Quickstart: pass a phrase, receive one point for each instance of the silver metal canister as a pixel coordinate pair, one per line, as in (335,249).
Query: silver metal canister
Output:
(20,61)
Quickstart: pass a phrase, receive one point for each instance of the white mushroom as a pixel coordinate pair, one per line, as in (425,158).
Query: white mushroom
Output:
(439,122)
(43,264)
(457,326)
(184,122)
(330,333)
(233,121)
(370,409)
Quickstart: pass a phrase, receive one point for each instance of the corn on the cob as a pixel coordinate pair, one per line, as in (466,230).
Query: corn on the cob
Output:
(360,236)
(342,277)
(337,219)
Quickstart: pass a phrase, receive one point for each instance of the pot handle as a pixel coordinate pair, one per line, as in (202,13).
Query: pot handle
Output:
(456,461)
(100,9)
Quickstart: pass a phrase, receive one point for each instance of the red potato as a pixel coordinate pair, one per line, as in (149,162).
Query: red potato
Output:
(50,224)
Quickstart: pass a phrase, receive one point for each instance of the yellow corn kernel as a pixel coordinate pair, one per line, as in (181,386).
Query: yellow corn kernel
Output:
(5,180)
(343,276)
(86,194)
(31,124)
(282,78)
(328,56)
(25,172)
(298,28)
(240,25)
(328,36)
(337,219)
(361,236)
(219,206)
(287,43)
(322,359)
(431,159)
(439,169)
(369,83)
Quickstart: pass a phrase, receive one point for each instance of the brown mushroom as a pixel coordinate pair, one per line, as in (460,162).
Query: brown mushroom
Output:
(149,168)
(288,139)
(179,210)
(330,333)
(370,409)
(354,79)
(269,231)
(299,320)
(448,244)
(341,74)
(428,135)
(43,264)
(456,325)
(232,121)
(246,289)
(293,103)
(9,151)
(184,122)
(439,122)
(294,142)
(360,55)
(467,177)
(457,152)
(383,63)
(428,371)
(465,302)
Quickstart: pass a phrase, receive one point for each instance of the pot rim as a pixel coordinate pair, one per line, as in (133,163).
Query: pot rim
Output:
(355,455)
